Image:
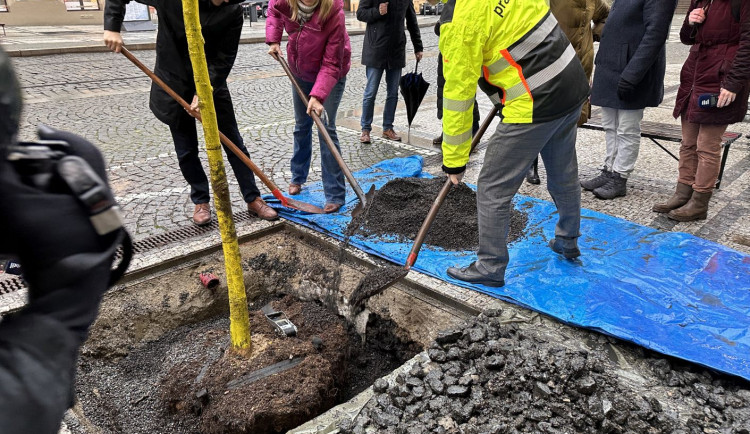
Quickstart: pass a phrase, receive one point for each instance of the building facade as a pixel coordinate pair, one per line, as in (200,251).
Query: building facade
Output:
(51,12)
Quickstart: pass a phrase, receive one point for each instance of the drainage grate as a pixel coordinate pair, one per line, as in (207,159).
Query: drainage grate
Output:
(12,284)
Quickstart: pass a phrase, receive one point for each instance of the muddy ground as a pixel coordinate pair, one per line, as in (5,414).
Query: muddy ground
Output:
(131,373)
(491,377)
(400,207)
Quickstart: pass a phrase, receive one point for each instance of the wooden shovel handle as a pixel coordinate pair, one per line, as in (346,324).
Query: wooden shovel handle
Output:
(224,139)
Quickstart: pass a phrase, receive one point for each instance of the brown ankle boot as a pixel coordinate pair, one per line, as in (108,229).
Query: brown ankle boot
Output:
(202,214)
(680,197)
(695,209)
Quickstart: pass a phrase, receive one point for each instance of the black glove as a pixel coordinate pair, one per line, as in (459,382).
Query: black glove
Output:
(625,90)
(64,260)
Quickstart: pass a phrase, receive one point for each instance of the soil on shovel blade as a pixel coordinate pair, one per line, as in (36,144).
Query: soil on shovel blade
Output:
(190,381)
(400,207)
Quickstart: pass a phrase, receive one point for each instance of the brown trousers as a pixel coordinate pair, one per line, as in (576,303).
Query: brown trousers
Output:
(700,155)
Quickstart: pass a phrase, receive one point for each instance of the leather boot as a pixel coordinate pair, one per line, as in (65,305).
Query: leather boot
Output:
(599,180)
(438,141)
(680,197)
(391,135)
(695,209)
(532,175)
(260,209)
(202,214)
(615,187)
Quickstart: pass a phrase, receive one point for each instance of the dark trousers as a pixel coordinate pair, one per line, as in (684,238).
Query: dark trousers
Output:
(185,138)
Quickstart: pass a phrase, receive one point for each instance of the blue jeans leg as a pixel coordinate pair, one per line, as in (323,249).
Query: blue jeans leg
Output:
(392,77)
(371,91)
(300,164)
(333,176)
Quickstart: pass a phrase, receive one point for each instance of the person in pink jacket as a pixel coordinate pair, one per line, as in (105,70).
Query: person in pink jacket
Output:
(319,55)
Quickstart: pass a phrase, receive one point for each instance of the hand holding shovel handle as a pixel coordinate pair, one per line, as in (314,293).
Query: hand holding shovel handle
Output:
(285,201)
(363,199)
(412,258)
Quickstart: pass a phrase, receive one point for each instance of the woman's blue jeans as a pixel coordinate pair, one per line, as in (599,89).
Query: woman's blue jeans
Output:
(392,77)
(333,177)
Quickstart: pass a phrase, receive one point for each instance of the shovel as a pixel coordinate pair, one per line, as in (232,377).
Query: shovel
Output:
(379,279)
(364,199)
(285,201)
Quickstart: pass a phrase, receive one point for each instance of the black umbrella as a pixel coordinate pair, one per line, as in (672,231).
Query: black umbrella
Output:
(413,88)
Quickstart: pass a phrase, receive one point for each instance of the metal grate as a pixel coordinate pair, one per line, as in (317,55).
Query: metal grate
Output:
(12,284)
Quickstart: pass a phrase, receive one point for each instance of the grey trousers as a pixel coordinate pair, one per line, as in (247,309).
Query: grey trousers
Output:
(622,132)
(509,155)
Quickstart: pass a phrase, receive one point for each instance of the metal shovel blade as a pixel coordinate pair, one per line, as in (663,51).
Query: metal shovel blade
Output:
(375,282)
(364,203)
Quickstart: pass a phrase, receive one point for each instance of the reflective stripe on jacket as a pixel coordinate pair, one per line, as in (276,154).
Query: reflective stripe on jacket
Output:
(517,46)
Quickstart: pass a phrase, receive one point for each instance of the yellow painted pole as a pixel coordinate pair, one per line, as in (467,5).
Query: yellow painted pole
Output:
(239,318)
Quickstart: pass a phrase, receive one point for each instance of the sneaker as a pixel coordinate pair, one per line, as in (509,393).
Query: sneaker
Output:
(615,187)
(365,137)
(597,181)
(391,135)
(202,214)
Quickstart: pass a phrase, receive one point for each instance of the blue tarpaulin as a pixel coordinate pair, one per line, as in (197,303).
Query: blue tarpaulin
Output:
(671,292)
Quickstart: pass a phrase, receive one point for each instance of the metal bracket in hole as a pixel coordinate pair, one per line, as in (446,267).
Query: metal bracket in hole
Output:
(279,320)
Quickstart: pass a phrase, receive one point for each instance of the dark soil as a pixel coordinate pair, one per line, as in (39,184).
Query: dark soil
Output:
(375,282)
(188,381)
(490,377)
(400,207)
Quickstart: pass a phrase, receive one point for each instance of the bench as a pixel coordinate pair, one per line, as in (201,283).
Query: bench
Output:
(3,26)
(656,131)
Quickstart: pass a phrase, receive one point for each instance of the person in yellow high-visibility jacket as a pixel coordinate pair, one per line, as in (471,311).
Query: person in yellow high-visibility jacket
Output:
(534,73)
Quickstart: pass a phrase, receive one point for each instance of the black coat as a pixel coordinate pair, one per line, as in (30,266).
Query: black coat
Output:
(221,25)
(633,48)
(385,41)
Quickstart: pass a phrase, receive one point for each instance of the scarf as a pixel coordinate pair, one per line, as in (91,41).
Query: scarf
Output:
(304,13)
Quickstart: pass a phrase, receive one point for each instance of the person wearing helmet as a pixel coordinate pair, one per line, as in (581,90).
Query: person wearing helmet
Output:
(65,243)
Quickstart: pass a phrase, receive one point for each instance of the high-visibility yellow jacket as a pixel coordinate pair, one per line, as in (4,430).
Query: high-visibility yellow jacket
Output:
(517,46)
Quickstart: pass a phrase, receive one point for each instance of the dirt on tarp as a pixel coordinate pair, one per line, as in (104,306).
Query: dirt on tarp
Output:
(189,380)
(491,377)
(400,207)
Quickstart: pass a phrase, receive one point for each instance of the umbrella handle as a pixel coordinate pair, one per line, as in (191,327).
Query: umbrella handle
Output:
(416,66)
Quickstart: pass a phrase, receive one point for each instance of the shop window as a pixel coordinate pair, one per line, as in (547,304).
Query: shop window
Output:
(3,5)
(81,5)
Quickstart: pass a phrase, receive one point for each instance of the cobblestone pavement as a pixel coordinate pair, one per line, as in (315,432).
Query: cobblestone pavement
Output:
(105,98)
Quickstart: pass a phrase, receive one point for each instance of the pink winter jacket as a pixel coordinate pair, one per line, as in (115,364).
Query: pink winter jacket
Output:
(325,49)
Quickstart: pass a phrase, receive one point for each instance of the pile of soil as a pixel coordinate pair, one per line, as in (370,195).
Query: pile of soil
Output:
(189,380)
(400,207)
(490,377)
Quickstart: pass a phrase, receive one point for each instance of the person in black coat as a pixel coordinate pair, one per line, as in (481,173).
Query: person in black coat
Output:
(384,50)
(221,23)
(629,76)
(65,259)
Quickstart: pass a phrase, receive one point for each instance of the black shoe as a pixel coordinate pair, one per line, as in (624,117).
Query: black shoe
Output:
(472,275)
(438,141)
(532,177)
(615,187)
(597,181)
(570,251)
